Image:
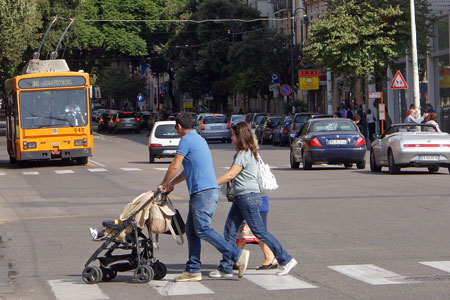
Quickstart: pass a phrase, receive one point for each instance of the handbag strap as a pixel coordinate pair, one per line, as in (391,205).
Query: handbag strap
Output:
(179,241)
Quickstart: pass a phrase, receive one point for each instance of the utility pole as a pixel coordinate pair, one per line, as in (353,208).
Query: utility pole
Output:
(414,60)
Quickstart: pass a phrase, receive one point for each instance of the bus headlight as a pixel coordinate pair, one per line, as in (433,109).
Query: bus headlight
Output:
(85,142)
(78,142)
(29,145)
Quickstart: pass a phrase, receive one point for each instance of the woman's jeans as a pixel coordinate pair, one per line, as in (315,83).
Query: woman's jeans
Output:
(246,207)
(202,206)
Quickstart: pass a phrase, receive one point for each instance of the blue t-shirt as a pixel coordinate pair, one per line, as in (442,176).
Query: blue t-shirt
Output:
(197,163)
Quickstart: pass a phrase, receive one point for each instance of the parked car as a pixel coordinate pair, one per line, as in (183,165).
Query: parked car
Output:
(410,145)
(234,119)
(329,140)
(215,127)
(122,121)
(281,132)
(264,131)
(163,140)
(255,120)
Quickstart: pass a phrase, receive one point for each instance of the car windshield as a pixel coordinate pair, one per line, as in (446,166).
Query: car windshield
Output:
(125,115)
(275,121)
(259,118)
(333,125)
(215,120)
(166,131)
(414,128)
(301,119)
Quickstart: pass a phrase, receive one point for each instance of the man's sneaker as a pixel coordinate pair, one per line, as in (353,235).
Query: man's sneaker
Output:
(186,276)
(287,268)
(242,263)
(218,274)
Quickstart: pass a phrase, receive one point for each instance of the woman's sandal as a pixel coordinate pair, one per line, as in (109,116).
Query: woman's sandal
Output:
(272,265)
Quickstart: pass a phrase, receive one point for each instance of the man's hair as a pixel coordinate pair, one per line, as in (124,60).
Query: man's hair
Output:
(185,120)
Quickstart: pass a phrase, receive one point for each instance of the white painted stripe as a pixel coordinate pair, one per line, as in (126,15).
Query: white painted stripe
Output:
(443,265)
(64,172)
(168,287)
(131,169)
(2,174)
(225,168)
(273,282)
(161,169)
(74,289)
(30,173)
(97,170)
(370,274)
(97,163)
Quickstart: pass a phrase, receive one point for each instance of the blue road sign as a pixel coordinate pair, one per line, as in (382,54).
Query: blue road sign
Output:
(285,90)
(275,78)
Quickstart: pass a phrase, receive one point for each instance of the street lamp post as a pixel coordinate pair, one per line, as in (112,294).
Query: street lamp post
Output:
(294,38)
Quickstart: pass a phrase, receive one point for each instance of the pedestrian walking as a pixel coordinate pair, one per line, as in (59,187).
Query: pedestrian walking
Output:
(431,119)
(371,124)
(194,155)
(247,202)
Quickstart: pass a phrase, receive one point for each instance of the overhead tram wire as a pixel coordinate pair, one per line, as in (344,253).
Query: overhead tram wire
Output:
(190,21)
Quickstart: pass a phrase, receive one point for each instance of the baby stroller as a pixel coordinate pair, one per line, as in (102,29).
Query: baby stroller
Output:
(126,234)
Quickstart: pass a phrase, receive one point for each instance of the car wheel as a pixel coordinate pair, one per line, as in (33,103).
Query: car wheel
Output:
(393,167)
(361,165)
(348,165)
(294,164)
(373,164)
(151,158)
(307,165)
(82,160)
(433,169)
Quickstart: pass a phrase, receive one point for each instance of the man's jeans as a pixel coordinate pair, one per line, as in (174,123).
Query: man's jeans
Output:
(246,207)
(202,206)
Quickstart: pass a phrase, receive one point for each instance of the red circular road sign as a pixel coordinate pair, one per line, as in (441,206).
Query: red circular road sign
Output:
(285,90)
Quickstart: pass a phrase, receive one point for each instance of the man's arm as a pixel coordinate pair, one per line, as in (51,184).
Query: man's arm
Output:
(173,170)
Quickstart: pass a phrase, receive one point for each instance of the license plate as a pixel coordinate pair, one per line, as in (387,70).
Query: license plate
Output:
(337,142)
(216,127)
(128,125)
(428,157)
(169,151)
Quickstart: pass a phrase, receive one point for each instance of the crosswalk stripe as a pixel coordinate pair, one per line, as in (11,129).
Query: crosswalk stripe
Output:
(370,274)
(30,173)
(270,281)
(97,170)
(2,174)
(161,169)
(168,287)
(440,265)
(75,289)
(64,172)
(131,169)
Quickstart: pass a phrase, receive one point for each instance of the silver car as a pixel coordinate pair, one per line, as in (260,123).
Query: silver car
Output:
(410,145)
(215,127)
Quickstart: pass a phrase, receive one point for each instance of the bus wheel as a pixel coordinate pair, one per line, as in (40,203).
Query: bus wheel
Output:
(82,160)
(12,160)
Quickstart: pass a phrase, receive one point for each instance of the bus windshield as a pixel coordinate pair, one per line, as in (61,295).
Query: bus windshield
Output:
(53,108)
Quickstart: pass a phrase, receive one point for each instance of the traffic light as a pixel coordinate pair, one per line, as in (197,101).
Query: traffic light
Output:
(155,100)
(161,98)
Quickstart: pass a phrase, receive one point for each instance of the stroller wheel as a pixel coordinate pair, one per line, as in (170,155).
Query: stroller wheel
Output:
(160,270)
(143,274)
(91,275)
(108,274)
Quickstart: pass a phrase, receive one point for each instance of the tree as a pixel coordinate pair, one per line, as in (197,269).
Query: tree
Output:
(361,38)
(19,24)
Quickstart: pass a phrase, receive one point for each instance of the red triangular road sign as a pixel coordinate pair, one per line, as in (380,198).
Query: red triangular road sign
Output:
(398,82)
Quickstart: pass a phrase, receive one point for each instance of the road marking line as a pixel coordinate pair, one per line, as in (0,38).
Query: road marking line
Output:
(97,163)
(97,170)
(168,287)
(75,289)
(443,265)
(275,282)
(30,173)
(161,169)
(370,274)
(131,169)
(64,171)
(2,174)
(225,168)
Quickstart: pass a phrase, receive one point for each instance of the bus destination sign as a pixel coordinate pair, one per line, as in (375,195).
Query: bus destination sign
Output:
(50,82)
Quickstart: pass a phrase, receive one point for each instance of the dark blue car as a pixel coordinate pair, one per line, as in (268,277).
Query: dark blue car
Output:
(282,131)
(330,141)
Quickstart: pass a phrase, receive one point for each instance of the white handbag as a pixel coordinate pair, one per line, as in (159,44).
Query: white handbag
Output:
(267,181)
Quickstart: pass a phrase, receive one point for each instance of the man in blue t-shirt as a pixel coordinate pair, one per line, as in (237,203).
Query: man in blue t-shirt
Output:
(194,155)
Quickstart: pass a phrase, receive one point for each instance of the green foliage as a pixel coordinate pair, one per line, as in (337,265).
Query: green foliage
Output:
(19,24)
(359,38)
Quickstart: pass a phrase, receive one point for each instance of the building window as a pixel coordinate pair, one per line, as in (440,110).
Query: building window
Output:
(441,42)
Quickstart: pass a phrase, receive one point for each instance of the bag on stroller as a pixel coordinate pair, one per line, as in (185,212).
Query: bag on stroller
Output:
(153,210)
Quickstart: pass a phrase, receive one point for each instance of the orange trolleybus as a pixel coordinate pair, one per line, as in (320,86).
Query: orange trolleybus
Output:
(48,113)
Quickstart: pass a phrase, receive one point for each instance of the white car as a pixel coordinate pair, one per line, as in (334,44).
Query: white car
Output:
(163,140)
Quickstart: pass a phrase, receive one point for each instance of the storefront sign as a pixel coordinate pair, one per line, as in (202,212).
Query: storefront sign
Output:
(309,79)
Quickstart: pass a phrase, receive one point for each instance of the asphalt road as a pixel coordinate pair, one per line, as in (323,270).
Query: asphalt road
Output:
(355,234)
